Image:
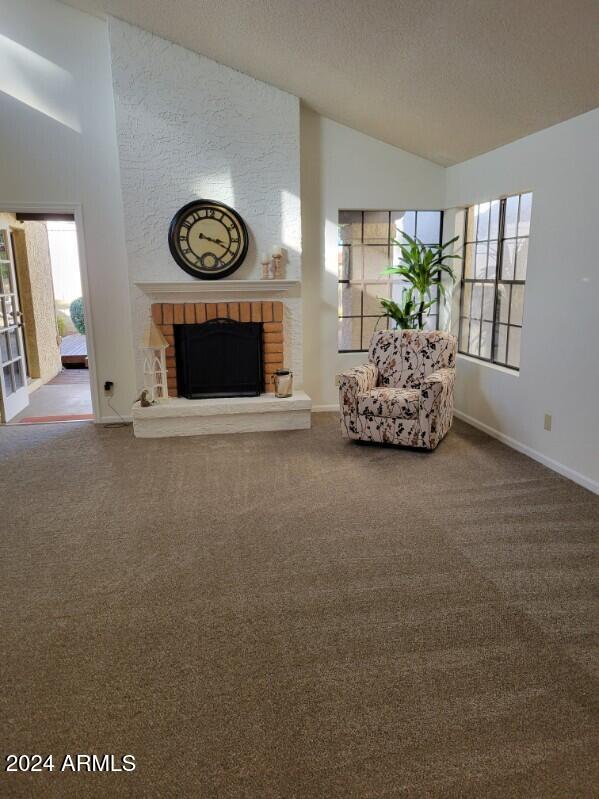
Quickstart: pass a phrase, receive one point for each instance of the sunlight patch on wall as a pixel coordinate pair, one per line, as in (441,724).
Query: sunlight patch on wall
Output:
(37,82)
(214,186)
(290,214)
(331,232)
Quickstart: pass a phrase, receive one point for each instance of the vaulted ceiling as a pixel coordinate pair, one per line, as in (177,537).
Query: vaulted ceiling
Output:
(445,79)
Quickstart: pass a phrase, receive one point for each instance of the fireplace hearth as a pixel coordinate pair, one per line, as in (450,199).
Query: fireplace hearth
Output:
(219,358)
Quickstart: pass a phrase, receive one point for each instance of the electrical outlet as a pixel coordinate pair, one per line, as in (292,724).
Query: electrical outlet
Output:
(547,424)
(108,388)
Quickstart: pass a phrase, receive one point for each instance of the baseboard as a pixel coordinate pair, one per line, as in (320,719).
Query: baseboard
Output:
(556,466)
(325,408)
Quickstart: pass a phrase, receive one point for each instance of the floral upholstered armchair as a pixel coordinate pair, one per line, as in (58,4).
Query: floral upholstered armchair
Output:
(404,394)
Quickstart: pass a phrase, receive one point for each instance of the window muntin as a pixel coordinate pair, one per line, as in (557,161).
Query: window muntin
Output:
(365,249)
(493,279)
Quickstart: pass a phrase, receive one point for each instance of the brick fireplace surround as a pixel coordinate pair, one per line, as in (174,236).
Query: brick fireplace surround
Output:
(168,314)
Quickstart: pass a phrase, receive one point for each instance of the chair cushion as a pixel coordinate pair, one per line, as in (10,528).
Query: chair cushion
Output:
(405,358)
(397,403)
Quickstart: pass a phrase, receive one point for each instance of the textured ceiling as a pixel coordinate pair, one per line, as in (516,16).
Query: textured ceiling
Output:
(446,79)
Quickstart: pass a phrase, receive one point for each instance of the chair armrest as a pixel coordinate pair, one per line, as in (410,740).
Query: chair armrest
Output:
(351,383)
(439,380)
(436,406)
(359,379)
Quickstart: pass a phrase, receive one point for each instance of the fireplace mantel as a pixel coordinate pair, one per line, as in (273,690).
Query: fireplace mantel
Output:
(198,290)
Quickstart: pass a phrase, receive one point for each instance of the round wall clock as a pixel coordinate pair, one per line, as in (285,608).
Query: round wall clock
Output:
(208,239)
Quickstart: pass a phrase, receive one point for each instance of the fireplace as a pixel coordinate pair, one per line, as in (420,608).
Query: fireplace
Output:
(183,415)
(219,358)
(169,316)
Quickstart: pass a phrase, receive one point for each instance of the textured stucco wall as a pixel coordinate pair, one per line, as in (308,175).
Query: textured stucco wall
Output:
(42,296)
(187,128)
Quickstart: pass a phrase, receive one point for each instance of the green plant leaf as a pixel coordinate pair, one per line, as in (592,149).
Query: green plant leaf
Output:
(422,266)
(449,243)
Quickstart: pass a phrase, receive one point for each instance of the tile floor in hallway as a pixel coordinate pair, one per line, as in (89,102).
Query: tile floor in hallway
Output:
(67,397)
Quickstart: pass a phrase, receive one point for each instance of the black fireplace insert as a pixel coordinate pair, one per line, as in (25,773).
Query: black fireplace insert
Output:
(219,358)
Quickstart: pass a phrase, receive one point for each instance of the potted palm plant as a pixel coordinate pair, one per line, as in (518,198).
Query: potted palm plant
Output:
(422,266)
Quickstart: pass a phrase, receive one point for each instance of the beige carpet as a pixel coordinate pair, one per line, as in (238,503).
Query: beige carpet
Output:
(291,615)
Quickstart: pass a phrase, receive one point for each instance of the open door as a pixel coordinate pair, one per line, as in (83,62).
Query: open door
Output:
(14,396)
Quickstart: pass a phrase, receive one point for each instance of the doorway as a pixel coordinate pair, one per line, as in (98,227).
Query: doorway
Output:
(44,374)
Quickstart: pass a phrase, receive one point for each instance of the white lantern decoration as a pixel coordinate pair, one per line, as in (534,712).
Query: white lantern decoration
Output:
(154,348)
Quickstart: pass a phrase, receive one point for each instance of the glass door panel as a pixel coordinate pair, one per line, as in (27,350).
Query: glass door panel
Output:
(14,396)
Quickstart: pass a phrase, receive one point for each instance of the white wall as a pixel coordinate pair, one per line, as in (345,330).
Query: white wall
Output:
(59,148)
(559,371)
(342,168)
(187,128)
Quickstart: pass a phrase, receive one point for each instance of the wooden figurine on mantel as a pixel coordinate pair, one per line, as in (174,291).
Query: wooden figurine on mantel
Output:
(277,258)
(154,347)
(267,272)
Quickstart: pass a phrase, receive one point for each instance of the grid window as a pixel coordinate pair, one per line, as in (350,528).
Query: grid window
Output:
(493,279)
(366,248)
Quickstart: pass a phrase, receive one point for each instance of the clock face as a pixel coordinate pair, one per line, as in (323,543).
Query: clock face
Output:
(207,239)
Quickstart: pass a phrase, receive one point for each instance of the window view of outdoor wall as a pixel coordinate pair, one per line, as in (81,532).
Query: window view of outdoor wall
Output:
(366,246)
(66,277)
